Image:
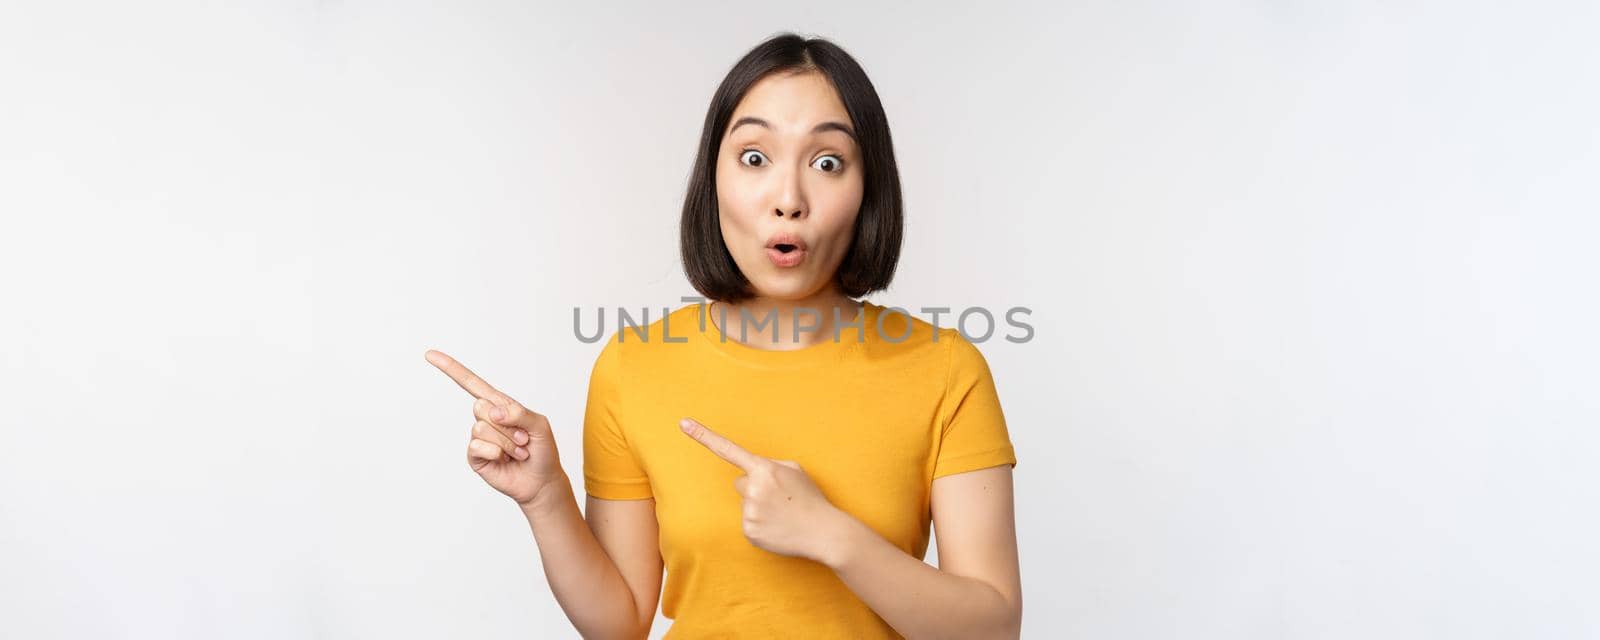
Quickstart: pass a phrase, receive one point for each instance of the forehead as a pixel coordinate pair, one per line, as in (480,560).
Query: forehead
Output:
(793,103)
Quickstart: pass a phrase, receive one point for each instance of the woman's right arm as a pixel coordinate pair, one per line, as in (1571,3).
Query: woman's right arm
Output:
(605,571)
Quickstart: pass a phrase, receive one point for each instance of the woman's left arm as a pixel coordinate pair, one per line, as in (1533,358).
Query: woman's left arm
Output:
(976,592)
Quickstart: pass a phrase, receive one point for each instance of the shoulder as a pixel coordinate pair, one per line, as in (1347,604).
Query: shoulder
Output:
(638,336)
(898,326)
(965,367)
(961,354)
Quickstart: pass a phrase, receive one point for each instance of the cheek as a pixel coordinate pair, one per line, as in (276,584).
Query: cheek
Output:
(735,198)
(840,211)
(734,213)
(843,195)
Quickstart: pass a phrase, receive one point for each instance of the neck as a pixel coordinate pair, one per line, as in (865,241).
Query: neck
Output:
(769,323)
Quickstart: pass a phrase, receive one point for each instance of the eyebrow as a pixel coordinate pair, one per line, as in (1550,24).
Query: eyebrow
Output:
(825,126)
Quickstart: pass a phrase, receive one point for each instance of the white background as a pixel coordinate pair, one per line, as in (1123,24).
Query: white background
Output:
(1313,291)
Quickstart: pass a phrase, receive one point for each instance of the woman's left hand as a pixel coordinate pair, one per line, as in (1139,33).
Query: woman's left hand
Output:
(784,511)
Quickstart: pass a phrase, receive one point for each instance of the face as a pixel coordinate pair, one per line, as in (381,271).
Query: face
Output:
(789,164)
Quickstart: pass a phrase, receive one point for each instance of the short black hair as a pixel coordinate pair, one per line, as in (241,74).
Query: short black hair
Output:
(875,244)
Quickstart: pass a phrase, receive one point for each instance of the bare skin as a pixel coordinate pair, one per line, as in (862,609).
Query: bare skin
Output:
(778,173)
(799,171)
(785,175)
(604,570)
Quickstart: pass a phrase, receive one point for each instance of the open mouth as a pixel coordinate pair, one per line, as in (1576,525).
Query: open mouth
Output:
(786,249)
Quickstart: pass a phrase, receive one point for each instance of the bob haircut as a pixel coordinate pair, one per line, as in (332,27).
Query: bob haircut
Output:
(875,243)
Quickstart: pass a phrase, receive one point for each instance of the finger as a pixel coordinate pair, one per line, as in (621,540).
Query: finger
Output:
(465,377)
(483,431)
(723,447)
(485,451)
(514,415)
(481,410)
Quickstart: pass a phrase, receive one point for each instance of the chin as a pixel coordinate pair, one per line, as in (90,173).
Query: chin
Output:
(780,288)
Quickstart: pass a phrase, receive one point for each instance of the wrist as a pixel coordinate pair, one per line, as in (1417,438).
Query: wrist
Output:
(841,536)
(551,497)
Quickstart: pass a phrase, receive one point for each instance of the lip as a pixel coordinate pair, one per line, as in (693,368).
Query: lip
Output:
(793,257)
(790,259)
(786,238)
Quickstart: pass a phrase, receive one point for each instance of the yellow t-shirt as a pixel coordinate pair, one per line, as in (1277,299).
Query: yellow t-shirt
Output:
(872,418)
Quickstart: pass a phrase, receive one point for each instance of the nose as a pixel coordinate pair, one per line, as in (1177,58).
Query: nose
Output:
(791,197)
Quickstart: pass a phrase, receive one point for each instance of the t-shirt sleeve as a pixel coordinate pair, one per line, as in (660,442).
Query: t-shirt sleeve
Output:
(973,431)
(610,470)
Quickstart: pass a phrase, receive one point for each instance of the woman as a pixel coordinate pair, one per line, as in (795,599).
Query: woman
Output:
(787,482)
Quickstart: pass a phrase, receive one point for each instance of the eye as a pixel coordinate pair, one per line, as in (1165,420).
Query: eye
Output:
(829,163)
(746,153)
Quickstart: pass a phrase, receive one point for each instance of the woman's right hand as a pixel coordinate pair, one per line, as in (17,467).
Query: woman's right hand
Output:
(511,447)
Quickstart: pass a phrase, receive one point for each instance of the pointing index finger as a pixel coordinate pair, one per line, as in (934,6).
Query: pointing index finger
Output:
(465,377)
(723,447)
